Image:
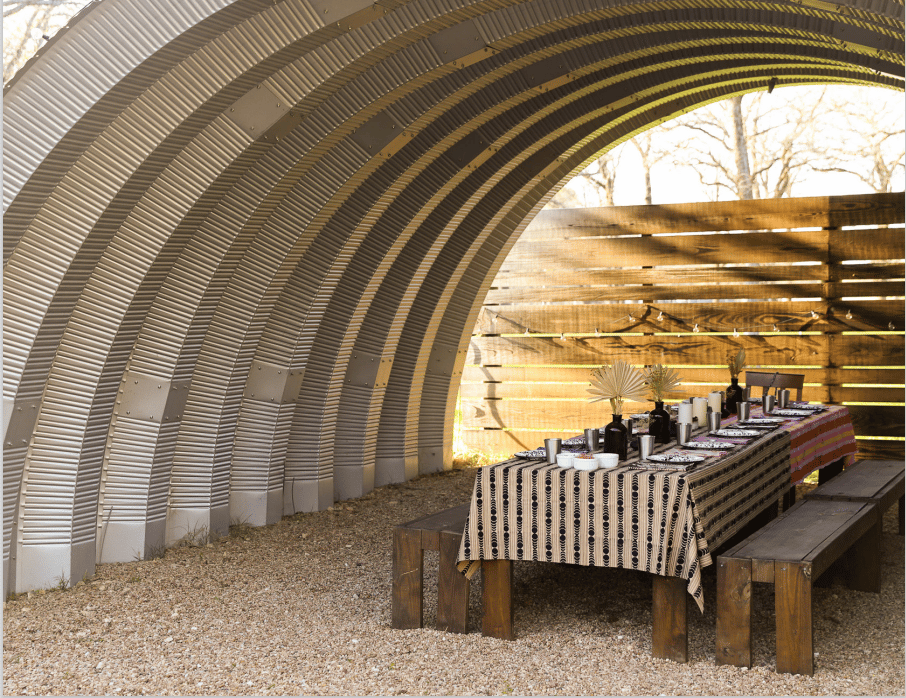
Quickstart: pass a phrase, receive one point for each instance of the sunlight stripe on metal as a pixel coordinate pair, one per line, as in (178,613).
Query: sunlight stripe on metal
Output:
(196,190)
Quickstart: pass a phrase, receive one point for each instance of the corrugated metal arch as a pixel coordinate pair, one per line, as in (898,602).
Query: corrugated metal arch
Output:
(244,243)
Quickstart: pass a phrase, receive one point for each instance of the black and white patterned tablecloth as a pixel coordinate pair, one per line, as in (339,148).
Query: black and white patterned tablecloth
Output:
(656,521)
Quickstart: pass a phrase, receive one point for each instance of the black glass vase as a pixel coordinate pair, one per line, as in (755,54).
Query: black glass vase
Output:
(659,423)
(734,395)
(616,440)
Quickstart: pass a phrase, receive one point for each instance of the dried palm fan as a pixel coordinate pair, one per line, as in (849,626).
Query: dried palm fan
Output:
(736,364)
(662,381)
(617,383)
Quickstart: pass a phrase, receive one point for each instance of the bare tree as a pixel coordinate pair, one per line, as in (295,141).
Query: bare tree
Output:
(874,149)
(599,178)
(751,146)
(649,144)
(27,24)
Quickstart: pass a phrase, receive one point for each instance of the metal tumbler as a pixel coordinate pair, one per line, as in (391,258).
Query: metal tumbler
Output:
(591,439)
(713,421)
(783,398)
(646,445)
(742,409)
(768,404)
(628,424)
(683,433)
(552,448)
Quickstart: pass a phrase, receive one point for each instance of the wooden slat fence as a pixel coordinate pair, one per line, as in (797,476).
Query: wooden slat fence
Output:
(811,285)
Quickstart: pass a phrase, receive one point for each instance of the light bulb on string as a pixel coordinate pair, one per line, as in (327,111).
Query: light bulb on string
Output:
(597,332)
(562,336)
(660,316)
(695,329)
(814,315)
(774,328)
(526,332)
(735,332)
(890,325)
(849,314)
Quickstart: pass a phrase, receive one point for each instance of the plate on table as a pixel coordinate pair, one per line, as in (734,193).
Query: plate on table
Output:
(807,406)
(793,413)
(735,433)
(535,454)
(680,458)
(761,422)
(574,441)
(709,445)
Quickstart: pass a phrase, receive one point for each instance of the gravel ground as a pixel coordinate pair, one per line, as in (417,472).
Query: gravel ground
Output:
(303,607)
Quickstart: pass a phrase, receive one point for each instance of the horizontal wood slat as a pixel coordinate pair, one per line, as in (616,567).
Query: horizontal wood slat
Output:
(724,266)
(681,317)
(561,293)
(758,214)
(674,276)
(718,376)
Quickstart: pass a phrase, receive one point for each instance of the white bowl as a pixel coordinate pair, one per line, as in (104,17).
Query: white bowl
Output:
(565,460)
(607,460)
(585,463)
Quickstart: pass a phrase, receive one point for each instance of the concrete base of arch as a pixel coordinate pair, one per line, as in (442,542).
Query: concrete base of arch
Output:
(256,508)
(389,471)
(197,526)
(351,481)
(125,541)
(47,566)
(307,495)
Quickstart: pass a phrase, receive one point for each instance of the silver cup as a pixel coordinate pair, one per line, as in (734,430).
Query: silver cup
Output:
(646,445)
(768,403)
(713,421)
(747,392)
(683,433)
(742,409)
(783,398)
(628,424)
(552,448)
(591,439)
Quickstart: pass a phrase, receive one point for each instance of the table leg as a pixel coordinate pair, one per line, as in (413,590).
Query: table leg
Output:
(497,599)
(669,636)
(829,471)
(734,611)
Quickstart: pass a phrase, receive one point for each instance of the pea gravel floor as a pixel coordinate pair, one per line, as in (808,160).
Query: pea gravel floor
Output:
(303,607)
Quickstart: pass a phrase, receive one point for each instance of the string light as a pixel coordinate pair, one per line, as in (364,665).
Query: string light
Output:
(735,332)
(597,332)
(774,328)
(562,336)
(814,314)
(849,314)
(695,329)
(660,316)
(890,325)
(526,332)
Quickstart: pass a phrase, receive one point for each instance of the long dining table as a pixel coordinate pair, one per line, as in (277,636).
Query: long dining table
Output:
(665,519)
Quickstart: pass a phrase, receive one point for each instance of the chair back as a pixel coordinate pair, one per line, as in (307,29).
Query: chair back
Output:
(786,381)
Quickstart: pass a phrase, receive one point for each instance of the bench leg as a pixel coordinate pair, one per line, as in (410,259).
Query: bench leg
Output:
(734,612)
(497,599)
(407,578)
(669,636)
(793,601)
(452,587)
(863,561)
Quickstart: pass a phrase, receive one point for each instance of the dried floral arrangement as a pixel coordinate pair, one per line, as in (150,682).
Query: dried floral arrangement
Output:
(617,383)
(662,381)
(736,364)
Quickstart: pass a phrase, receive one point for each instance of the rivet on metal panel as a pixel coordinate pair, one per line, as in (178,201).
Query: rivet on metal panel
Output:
(128,412)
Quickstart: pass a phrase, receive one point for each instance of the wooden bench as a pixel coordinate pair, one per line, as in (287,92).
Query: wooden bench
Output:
(791,552)
(876,481)
(442,532)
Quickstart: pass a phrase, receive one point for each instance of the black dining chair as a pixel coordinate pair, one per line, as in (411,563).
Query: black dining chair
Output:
(786,381)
